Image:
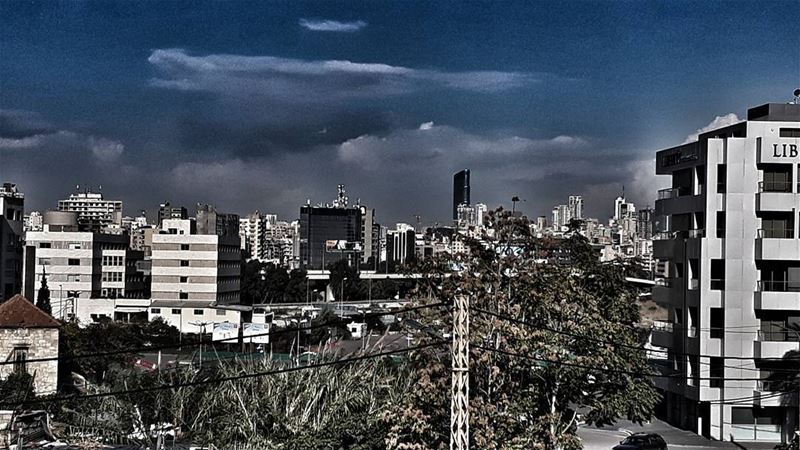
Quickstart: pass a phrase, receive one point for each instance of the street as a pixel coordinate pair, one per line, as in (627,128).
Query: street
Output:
(607,437)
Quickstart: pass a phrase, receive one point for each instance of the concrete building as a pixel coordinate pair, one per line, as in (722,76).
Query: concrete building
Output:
(28,333)
(209,221)
(93,209)
(575,205)
(11,228)
(253,235)
(192,274)
(90,274)
(370,234)
(461,191)
(32,221)
(167,211)
(729,259)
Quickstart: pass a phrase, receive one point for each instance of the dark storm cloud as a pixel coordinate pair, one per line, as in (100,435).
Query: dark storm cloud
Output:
(16,124)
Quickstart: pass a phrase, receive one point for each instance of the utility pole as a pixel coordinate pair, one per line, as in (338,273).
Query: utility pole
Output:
(459,392)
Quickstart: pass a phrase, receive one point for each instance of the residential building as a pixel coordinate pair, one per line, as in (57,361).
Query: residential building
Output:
(28,335)
(467,217)
(11,228)
(93,210)
(209,221)
(480,213)
(194,274)
(368,234)
(461,191)
(575,205)
(167,211)
(730,276)
(253,234)
(32,221)
(90,274)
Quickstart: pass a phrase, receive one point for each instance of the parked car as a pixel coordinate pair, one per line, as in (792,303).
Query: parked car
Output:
(642,441)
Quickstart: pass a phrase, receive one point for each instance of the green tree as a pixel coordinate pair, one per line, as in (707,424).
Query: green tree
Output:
(297,286)
(43,296)
(17,387)
(540,361)
(344,279)
(252,289)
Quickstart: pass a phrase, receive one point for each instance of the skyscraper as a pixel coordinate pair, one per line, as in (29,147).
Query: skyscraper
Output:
(460,191)
(11,211)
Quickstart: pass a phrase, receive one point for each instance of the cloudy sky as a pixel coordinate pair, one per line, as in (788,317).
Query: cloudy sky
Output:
(262,105)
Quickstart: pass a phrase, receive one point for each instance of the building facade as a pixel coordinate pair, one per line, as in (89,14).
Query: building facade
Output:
(93,209)
(322,225)
(400,244)
(728,255)
(11,244)
(461,191)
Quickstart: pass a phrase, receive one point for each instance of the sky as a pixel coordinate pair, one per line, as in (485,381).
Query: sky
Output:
(266,105)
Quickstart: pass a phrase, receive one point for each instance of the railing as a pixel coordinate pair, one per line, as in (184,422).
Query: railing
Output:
(779,285)
(679,234)
(668,193)
(776,233)
(778,336)
(660,325)
(775,186)
(717,284)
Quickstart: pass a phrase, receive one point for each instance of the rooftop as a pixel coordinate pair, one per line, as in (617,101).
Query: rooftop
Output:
(775,112)
(18,312)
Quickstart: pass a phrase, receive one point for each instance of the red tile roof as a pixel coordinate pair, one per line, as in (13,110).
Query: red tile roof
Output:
(18,312)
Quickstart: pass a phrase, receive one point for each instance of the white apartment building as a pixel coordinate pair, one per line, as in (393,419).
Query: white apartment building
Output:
(575,205)
(92,208)
(194,276)
(729,257)
(89,274)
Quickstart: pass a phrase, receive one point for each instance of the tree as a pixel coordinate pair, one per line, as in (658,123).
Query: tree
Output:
(344,279)
(17,387)
(297,286)
(252,288)
(43,297)
(537,360)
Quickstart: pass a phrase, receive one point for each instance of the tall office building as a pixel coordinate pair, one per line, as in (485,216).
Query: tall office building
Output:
(88,273)
(401,244)
(575,205)
(11,227)
(370,234)
(460,191)
(329,233)
(93,210)
(730,269)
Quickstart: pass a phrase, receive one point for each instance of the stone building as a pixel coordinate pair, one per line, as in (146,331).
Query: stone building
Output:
(27,333)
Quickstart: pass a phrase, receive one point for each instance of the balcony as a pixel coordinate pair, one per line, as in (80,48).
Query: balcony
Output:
(770,246)
(680,234)
(778,295)
(666,194)
(776,233)
(661,334)
(775,344)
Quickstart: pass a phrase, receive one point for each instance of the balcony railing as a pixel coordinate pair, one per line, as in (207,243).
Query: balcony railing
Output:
(775,186)
(660,325)
(779,285)
(778,336)
(776,233)
(668,193)
(679,234)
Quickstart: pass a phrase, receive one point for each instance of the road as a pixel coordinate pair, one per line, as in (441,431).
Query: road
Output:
(607,437)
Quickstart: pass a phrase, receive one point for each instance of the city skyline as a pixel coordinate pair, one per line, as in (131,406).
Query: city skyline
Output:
(390,102)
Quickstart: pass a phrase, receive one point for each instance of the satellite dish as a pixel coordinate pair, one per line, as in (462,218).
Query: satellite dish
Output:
(797,92)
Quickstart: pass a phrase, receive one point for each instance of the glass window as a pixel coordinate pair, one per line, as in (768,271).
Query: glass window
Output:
(155,310)
(20,359)
(198,312)
(176,311)
(74,262)
(183,295)
(184,263)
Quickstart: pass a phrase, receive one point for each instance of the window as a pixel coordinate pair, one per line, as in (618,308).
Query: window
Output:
(184,246)
(183,296)
(184,263)
(155,310)
(44,261)
(184,279)
(678,317)
(21,359)
(721,224)
(74,245)
(176,311)
(722,178)
(777,178)
(44,245)
(717,322)
(74,262)
(198,312)
(221,312)
(790,132)
(716,371)
(718,274)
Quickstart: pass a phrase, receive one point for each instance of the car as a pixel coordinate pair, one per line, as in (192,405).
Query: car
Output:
(642,441)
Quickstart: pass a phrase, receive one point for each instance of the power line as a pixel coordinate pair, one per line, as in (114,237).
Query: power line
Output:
(590,338)
(226,340)
(221,379)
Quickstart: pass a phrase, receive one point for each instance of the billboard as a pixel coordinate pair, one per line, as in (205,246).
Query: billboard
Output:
(225,331)
(256,333)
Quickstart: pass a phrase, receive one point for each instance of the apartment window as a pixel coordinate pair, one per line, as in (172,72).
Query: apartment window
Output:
(44,245)
(21,359)
(721,224)
(184,263)
(155,310)
(184,279)
(722,178)
(221,312)
(74,245)
(183,296)
(198,312)
(44,261)
(776,226)
(74,262)
(790,132)
(717,322)
(184,246)
(717,274)
(716,371)
(777,178)
(176,311)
